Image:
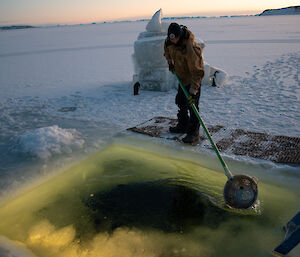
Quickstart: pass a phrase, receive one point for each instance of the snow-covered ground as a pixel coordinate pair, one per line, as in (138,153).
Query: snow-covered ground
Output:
(69,88)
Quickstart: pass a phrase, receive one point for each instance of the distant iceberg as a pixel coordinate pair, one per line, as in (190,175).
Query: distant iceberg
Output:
(16,27)
(292,10)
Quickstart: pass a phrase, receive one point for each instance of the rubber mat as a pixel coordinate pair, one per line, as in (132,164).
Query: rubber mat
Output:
(276,148)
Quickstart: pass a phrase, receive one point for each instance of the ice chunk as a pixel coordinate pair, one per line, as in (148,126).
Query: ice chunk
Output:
(154,25)
(48,141)
(9,248)
(149,52)
(149,62)
(214,76)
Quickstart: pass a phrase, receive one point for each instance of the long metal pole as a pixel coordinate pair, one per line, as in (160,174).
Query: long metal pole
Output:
(227,171)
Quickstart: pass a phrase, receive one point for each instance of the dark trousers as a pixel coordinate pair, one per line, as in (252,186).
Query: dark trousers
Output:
(186,116)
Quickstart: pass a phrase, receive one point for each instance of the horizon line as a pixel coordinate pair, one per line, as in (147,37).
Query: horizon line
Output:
(208,14)
(127,20)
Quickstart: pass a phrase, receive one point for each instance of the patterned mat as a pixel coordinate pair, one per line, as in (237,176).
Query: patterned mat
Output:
(280,149)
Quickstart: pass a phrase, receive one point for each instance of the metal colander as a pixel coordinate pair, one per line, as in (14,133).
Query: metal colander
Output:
(240,191)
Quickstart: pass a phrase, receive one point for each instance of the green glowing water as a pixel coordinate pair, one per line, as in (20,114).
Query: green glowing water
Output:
(127,201)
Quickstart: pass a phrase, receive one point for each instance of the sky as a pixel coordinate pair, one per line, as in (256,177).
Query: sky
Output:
(38,12)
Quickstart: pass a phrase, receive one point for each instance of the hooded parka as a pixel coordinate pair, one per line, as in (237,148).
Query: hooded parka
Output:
(186,56)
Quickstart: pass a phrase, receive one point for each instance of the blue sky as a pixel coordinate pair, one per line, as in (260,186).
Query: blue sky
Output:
(85,11)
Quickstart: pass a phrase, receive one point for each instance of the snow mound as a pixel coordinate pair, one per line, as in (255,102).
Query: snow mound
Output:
(9,248)
(45,142)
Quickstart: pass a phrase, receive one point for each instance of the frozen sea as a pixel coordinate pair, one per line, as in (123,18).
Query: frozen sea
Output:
(66,93)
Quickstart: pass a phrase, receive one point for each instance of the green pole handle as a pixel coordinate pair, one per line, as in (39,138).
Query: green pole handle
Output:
(227,171)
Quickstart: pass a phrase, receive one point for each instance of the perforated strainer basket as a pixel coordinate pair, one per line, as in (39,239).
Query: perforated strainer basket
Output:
(240,191)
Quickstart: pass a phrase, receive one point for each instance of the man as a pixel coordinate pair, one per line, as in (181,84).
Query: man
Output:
(185,57)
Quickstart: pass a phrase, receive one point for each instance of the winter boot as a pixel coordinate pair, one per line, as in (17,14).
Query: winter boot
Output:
(192,138)
(183,122)
(179,128)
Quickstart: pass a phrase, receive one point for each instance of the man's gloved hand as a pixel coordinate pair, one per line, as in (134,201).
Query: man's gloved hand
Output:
(171,67)
(192,92)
